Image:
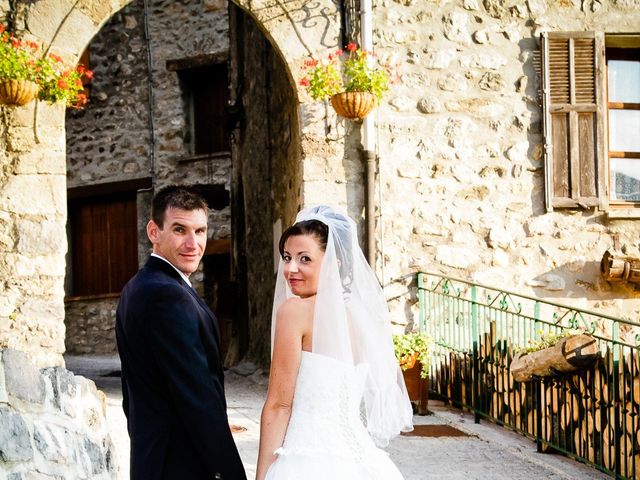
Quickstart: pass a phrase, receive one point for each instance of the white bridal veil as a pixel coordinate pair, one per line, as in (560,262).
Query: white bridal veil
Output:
(351,323)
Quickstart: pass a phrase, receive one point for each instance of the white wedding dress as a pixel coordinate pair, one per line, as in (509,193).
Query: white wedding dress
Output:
(326,439)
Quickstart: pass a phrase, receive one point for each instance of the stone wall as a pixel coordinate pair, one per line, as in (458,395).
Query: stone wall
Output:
(127,132)
(32,236)
(461,131)
(110,140)
(269,174)
(91,325)
(53,423)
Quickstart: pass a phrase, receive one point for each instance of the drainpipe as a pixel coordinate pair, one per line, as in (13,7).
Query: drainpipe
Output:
(368,141)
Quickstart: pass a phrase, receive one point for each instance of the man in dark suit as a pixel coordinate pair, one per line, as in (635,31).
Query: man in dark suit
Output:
(168,341)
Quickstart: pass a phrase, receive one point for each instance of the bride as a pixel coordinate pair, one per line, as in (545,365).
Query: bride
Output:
(335,388)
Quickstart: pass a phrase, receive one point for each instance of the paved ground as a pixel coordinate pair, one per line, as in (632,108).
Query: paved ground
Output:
(490,452)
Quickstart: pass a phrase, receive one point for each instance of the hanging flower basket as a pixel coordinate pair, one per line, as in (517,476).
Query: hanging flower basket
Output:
(353,105)
(17,92)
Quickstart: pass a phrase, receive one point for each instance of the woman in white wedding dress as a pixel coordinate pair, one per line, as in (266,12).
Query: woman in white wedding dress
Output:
(336,392)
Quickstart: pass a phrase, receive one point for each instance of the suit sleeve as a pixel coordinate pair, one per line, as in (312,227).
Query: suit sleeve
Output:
(197,393)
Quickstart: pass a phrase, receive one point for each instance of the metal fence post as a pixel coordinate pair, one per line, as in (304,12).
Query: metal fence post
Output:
(476,370)
(538,384)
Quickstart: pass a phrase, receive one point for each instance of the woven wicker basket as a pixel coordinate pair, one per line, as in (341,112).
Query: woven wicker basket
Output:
(17,92)
(354,105)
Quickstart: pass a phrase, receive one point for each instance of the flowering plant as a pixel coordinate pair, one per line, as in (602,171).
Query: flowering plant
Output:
(412,347)
(61,84)
(18,58)
(23,60)
(344,72)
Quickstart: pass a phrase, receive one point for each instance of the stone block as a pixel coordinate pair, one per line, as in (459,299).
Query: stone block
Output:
(46,17)
(17,196)
(20,139)
(455,27)
(97,12)
(52,441)
(3,386)
(23,380)
(213,5)
(42,237)
(15,441)
(96,456)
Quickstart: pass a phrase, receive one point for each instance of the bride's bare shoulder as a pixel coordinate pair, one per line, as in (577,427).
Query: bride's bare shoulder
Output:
(294,307)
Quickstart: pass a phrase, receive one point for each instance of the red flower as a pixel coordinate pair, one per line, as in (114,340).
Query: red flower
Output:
(339,52)
(55,57)
(310,63)
(352,47)
(62,84)
(304,82)
(2,28)
(88,74)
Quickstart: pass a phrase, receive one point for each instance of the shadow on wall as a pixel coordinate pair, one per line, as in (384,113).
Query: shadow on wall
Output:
(581,279)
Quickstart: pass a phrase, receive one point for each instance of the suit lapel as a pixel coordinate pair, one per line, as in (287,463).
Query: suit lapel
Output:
(159,264)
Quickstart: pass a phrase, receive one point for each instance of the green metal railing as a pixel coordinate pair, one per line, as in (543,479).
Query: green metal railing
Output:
(593,415)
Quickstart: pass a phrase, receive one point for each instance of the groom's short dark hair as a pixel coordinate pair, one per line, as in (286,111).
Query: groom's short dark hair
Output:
(175,196)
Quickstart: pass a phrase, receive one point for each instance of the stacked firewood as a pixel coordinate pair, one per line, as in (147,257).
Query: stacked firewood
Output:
(593,413)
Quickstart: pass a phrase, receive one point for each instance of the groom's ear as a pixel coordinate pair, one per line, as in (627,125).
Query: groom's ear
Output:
(153,231)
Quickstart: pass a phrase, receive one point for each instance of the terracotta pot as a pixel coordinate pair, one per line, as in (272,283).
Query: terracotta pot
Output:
(17,92)
(417,387)
(354,105)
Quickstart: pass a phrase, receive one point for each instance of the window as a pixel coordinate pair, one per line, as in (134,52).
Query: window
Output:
(591,103)
(623,105)
(104,243)
(206,92)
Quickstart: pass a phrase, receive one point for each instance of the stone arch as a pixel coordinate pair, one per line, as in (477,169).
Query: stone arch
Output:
(33,248)
(32,188)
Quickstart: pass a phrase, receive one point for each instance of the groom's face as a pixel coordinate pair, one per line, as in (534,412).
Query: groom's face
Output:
(182,238)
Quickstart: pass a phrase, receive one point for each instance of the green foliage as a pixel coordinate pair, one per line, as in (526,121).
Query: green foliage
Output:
(547,340)
(344,72)
(23,60)
(61,84)
(19,59)
(413,346)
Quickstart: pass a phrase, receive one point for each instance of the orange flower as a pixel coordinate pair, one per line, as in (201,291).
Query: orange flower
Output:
(55,57)
(63,84)
(310,63)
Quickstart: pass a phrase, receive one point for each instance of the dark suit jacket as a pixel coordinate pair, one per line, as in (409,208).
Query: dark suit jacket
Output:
(172,380)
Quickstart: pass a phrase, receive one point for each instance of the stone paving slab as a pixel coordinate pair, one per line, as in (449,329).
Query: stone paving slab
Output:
(489,452)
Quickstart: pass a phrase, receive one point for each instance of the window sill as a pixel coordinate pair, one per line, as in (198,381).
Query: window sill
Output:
(627,213)
(224,155)
(89,298)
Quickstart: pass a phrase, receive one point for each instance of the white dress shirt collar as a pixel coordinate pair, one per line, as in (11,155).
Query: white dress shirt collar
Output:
(184,277)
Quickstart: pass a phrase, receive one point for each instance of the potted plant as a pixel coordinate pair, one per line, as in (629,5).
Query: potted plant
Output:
(26,72)
(347,78)
(19,65)
(412,352)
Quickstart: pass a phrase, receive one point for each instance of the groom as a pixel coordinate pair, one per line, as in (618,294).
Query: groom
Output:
(168,341)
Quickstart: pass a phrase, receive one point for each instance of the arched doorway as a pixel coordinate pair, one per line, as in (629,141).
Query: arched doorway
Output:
(206,112)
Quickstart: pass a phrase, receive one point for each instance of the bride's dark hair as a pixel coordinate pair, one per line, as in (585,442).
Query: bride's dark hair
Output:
(314,228)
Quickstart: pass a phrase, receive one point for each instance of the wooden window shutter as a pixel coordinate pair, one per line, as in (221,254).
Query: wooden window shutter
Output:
(573,107)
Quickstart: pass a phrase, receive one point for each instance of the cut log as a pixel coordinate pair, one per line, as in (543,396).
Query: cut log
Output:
(568,355)
(617,268)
